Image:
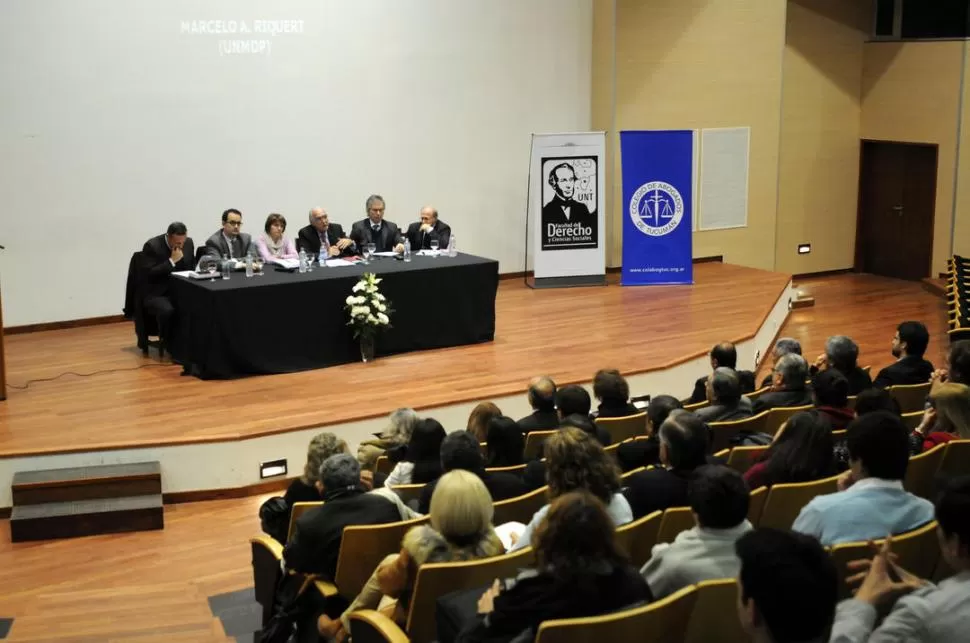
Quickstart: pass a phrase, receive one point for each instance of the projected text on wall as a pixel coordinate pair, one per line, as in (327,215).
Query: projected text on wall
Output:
(242,36)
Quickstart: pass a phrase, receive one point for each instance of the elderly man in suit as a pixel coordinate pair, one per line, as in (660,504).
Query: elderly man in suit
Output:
(385,235)
(230,241)
(160,257)
(420,233)
(325,235)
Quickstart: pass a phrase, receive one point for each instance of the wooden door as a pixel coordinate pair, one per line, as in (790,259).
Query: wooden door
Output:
(897,201)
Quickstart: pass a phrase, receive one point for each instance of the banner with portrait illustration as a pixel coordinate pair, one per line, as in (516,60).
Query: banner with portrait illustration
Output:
(657,207)
(565,233)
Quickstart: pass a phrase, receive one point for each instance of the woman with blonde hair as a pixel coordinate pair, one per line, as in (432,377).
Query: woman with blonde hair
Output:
(391,442)
(459,529)
(480,416)
(947,419)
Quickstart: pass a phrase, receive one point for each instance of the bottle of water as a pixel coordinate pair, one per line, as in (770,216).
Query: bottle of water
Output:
(407,250)
(226,266)
(249,265)
(452,247)
(323,258)
(303,262)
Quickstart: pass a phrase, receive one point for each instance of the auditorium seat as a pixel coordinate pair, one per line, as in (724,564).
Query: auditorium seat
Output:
(370,626)
(675,520)
(267,554)
(410,494)
(636,539)
(785,501)
(383,465)
(956,459)
(534,443)
(921,472)
(299,508)
(624,428)
(722,433)
(912,420)
(715,615)
(522,508)
(757,504)
(624,476)
(437,579)
(517,469)
(694,406)
(742,458)
(910,397)
(754,395)
(663,621)
(851,400)
(780,414)
(917,551)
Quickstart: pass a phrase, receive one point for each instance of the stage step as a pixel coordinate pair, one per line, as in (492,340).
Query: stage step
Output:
(935,286)
(87,483)
(86,517)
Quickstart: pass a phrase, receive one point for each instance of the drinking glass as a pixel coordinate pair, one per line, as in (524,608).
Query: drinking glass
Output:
(369,250)
(258,265)
(434,247)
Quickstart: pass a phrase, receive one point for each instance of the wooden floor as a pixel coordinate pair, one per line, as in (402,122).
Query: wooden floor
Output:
(125,587)
(567,333)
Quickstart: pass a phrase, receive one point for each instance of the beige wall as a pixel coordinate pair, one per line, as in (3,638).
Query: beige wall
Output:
(911,93)
(688,64)
(961,231)
(820,125)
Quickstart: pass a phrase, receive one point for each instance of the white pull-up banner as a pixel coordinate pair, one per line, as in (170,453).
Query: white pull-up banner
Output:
(566,229)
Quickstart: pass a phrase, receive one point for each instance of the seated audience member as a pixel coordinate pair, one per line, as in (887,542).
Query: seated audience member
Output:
(460,529)
(579,572)
(723,355)
(908,346)
(746,379)
(875,399)
(420,233)
(788,587)
(479,418)
(422,460)
(316,540)
(802,451)
(831,392)
(724,395)
(783,347)
(574,461)
(321,234)
(917,609)
(273,244)
(957,368)
(230,241)
(613,393)
(505,444)
(460,450)
(542,400)
(392,441)
(385,235)
(719,503)
(573,399)
(160,257)
(841,354)
(871,502)
(683,448)
(535,471)
(634,454)
(788,386)
(947,419)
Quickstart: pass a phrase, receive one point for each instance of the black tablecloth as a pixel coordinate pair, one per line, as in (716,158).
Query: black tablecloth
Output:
(286,321)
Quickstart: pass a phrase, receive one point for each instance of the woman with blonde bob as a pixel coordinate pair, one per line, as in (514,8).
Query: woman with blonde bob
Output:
(947,419)
(460,529)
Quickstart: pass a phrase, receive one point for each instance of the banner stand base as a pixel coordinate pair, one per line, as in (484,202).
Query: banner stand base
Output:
(566,282)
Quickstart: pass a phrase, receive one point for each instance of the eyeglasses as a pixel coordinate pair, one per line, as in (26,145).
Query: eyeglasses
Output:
(234,223)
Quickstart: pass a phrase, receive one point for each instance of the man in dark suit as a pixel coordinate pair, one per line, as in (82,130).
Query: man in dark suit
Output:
(321,233)
(563,208)
(230,241)
(841,353)
(723,355)
(420,233)
(788,387)
(160,257)
(909,344)
(683,448)
(385,235)
(782,347)
(460,450)
(542,399)
(315,545)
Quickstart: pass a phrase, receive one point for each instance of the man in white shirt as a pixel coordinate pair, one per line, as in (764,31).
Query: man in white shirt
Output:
(719,501)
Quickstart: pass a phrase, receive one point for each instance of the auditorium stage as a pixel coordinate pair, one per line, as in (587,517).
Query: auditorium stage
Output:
(212,434)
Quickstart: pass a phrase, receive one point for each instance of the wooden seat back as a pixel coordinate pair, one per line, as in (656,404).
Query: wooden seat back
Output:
(910,397)
(624,428)
(785,501)
(298,509)
(362,549)
(675,520)
(715,615)
(534,442)
(636,539)
(522,508)
(742,458)
(722,433)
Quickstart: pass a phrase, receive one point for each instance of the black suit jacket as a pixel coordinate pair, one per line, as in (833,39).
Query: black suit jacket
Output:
(308,239)
(607,410)
(501,485)
(216,245)
(911,369)
(422,241)
(552,212)
(315,544)
(156,267)
(656,489)
(771,399)
(700,391)
(388,237)
(539,421)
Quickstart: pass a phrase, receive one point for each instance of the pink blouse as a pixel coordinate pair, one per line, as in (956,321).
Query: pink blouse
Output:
(289,250)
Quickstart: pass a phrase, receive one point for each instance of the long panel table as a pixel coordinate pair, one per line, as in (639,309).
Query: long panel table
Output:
(280,322)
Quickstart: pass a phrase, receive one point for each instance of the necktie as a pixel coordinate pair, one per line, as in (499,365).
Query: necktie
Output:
(325,243)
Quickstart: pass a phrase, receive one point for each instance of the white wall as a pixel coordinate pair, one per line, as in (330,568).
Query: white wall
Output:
(114,123)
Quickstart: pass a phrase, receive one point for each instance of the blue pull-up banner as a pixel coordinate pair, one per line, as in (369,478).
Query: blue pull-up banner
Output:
(658,212)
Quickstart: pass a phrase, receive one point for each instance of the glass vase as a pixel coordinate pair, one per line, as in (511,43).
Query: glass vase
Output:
(367,348)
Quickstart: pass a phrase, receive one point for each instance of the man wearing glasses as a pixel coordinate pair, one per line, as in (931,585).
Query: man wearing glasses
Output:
(230,241)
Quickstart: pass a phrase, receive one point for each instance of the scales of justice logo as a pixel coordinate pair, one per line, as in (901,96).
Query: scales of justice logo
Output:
(656,208)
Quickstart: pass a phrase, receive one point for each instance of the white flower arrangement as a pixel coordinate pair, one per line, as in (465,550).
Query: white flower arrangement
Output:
(369,311)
